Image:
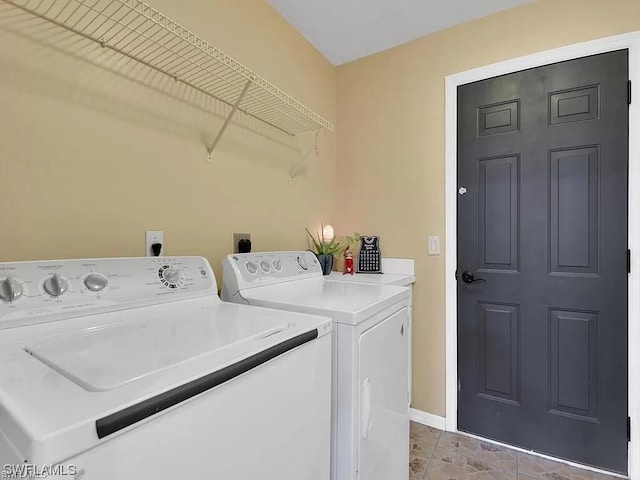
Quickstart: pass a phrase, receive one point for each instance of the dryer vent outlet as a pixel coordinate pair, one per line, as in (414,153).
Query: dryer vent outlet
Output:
(241,242)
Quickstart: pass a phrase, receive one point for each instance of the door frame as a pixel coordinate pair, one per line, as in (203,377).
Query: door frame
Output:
(629,41)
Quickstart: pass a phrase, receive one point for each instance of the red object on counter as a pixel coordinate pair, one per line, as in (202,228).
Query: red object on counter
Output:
(348,262)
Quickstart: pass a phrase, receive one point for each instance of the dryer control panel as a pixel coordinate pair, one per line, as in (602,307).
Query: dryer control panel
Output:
(246,270)
(41,291)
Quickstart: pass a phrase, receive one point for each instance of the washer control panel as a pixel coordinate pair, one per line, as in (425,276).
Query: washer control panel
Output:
(35,292)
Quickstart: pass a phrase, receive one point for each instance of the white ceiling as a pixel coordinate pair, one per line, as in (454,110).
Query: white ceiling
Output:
(345,30)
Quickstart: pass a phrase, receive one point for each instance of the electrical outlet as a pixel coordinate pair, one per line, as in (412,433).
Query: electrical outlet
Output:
(152,237)
(237,237)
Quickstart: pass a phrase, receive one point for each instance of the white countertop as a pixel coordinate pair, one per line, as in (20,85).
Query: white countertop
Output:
(398,271)
(374,278)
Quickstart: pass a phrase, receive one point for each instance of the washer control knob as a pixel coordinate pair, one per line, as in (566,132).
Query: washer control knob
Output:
(251,267)
(10,289)
(171,275)
(55,285)
(303,263)
(265,266)
(277,264)
(95,282)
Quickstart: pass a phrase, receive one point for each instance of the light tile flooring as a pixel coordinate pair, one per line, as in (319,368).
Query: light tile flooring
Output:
(437,455)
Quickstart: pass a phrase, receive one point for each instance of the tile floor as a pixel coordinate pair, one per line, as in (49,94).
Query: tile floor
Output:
(437,455)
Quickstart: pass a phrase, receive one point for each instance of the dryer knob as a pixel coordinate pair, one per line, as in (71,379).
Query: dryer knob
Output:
(251,267)
(10,289)
(265,266)
(55,285)
(95,282)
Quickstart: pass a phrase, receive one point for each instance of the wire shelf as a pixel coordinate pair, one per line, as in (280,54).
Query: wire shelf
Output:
(134,29)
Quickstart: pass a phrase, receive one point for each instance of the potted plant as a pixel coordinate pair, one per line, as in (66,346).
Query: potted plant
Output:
(326,248)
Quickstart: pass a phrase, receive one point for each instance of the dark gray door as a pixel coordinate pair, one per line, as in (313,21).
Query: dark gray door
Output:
(542,220)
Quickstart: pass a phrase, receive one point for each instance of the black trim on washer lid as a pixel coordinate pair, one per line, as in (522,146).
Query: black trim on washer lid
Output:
(131,415)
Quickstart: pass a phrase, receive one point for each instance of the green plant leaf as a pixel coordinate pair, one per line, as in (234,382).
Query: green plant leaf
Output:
(333,246)
(316,245)
(321,246)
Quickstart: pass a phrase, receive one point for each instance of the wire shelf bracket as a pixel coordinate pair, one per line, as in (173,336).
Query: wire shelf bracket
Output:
(300,168)
(141,33)
(227,121)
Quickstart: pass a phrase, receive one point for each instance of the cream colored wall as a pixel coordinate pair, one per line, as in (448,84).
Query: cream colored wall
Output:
(390,133)
(90,159)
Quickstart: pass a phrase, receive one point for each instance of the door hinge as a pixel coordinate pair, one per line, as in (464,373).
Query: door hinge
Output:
(628,429)
(628,261)
(629,91)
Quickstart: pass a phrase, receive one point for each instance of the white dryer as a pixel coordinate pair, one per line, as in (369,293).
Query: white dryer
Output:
(133,368)
(397,271)
(370,413)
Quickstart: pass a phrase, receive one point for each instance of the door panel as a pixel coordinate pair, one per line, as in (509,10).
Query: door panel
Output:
(542,339)
(574,105)
(573,361)
(499,352)
(498,213)
(574,193)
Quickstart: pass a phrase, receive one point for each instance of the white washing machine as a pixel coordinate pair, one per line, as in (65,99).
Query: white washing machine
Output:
(133,368)
(370,435)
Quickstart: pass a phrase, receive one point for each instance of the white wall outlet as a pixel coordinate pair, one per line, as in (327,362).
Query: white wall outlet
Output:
(152,237)
(434,245)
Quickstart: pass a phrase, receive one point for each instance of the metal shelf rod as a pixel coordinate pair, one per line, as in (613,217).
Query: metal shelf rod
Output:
(139,37)
(103,44)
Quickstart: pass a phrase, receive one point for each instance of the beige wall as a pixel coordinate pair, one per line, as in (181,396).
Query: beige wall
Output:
(90,159)
(390,134)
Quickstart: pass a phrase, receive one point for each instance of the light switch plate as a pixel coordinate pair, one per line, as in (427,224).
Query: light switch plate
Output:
(434,245)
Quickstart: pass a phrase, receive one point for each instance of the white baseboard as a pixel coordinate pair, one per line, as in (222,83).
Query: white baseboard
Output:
(428,419)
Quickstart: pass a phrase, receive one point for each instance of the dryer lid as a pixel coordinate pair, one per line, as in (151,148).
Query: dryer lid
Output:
(344,302)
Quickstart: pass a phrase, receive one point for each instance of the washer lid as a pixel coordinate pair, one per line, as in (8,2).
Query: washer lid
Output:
(77,389)
(344,302)
(106,358)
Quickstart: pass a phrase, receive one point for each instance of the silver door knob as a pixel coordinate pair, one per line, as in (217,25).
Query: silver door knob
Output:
(10,289)
(55,285)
